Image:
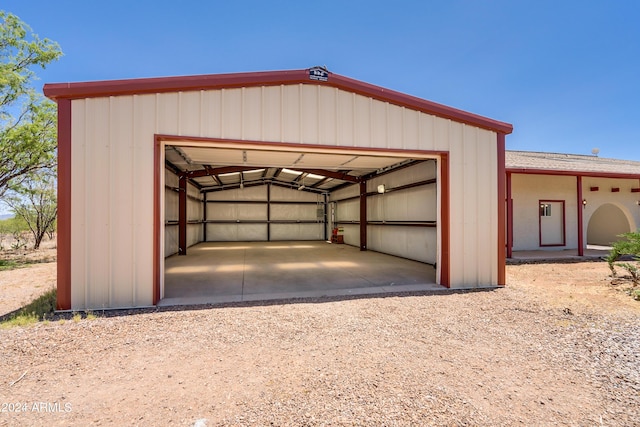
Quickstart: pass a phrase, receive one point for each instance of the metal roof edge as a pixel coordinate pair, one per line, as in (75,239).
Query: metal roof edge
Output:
(94,89)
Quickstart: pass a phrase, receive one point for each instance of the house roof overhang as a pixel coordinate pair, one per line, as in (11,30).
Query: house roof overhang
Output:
(560,164)
(80,90)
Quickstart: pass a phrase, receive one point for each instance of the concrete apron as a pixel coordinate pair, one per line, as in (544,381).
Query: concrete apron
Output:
(222,272)
(591,253)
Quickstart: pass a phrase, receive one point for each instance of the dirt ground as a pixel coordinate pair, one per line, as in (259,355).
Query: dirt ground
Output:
(558,346)
(21,286)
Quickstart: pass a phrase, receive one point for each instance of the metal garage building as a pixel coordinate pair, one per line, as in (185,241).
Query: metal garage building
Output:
(149,167)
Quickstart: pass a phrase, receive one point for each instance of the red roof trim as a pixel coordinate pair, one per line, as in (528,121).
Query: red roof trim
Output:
(266,78)
(527,171)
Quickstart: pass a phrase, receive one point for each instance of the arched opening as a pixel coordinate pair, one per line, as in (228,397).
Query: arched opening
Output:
(606,223)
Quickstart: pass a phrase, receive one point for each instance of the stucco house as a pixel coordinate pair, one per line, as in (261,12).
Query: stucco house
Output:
(568,201)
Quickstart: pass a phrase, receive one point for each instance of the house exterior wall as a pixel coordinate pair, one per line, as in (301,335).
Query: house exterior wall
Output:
(622,205)
(527,192)
(529,189)
(112,170)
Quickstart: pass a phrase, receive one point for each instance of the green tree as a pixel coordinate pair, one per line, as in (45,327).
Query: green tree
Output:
(15,227)
(35,203)
(27,121)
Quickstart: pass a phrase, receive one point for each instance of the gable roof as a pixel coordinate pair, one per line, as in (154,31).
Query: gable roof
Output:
(95,89)
(570,164)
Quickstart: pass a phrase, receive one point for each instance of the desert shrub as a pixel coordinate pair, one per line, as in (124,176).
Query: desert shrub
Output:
(630,246)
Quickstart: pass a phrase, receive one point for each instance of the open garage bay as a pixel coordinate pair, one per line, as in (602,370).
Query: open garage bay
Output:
(218,272)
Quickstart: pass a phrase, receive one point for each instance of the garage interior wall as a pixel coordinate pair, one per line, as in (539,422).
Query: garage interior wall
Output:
(112,169)
(417,204)
(270,213)
(264,213)
(194,214)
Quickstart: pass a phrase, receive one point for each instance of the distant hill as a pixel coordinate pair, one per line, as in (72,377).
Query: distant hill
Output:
(5,216)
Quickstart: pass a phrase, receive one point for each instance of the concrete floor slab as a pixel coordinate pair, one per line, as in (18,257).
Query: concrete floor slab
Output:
(222,272)
(592,252)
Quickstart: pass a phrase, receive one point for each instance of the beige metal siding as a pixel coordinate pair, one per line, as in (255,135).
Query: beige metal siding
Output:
(112,205)
(112,153)
(473,206)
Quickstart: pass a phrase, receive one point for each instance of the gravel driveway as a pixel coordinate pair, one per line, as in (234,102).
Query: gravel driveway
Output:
(513,356)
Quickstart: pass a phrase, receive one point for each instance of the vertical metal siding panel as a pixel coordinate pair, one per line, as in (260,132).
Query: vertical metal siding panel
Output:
(441,134)
(410,129)
(167,109)
(362,122)
(454,139)
(486,203)
(291,113)
(252,113)
(395,130)
(345,118)
(327,115)
(121,200)
(210,121)
(378,124)
(472,185)
(490,146)
(144,113)
(189,114)
(232,113)
(97,200)
(309,114)
(427,135)
(78,206)
(272,113)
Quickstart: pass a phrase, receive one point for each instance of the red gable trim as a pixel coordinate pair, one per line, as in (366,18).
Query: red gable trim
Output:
(266,78)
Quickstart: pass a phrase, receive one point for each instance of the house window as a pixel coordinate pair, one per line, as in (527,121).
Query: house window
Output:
(545,209)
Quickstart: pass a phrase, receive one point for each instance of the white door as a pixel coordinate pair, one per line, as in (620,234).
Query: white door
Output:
(552,223)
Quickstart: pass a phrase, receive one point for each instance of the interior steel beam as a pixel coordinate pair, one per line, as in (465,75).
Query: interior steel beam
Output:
(319,183)
(182,215)
(208,171)
(269,212)
(397,168)
(363,215)
(204,216)
(344,176)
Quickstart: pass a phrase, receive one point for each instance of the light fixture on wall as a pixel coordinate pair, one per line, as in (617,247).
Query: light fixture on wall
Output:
(584,203)
(381,189)
(638,203)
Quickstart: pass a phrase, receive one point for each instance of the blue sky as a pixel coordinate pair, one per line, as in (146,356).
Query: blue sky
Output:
(566,74)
